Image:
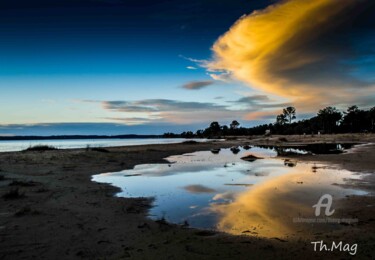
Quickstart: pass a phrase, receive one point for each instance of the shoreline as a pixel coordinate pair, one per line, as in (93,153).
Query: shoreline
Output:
(67,215)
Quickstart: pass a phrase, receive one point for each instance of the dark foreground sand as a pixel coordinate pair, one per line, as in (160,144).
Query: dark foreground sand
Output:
(63,215)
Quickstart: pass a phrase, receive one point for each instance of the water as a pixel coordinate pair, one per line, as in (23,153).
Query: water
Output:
(321,148)
(223,192)
(19,145)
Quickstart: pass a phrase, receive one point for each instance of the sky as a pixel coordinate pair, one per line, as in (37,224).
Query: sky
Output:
(149,67)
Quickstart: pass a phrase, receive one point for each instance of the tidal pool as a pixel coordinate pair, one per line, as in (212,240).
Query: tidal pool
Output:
(220,191)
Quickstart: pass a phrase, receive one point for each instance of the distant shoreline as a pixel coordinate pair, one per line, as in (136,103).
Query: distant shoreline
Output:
(74,137)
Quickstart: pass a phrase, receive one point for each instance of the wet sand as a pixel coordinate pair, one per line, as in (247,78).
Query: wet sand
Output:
(61,214)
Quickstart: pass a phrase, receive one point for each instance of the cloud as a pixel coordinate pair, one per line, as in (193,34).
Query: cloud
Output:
(194,85)
(171,111)
(315,52)
(197,61)
(191,68)
(224,76)
(198,189)
(168,111)
(158,105)
(253,99)
(134,120)
(259,102)
(261,115)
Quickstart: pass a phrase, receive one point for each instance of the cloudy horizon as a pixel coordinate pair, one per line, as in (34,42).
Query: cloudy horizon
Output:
(149,67)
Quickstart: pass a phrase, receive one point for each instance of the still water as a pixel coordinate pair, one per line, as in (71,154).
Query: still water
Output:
(13,146)
(220,191)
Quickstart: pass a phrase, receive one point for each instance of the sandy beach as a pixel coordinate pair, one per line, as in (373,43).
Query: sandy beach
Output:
(59,213)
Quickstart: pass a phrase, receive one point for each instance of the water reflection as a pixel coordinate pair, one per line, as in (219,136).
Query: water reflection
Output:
(224,192)
(268,209)
(321,148)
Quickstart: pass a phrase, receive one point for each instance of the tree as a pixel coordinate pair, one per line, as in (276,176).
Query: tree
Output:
(281,119)
(372,118)
(199,133)
(225,130)
(213,129)
(355,119)
(329,118)
(234,124)
(289,113)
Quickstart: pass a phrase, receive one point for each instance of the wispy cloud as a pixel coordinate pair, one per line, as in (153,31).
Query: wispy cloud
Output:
(198,189)
(314,52)
(135,120)
(194,85)
(158,105)
(196,61)
(259,102)
(185,112)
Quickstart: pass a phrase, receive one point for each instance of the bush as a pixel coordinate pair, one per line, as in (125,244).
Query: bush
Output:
(190,142)
(41,148)
(101,150)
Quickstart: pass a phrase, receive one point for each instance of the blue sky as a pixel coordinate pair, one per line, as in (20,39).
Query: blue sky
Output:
(63,63)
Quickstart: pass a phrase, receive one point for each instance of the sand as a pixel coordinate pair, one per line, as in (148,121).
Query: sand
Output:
(62,214)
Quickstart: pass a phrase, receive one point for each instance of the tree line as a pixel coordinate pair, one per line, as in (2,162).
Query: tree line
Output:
(328,120)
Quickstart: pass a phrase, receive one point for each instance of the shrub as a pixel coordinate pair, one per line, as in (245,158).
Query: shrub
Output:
(101,150)
(41,148)
(190,142)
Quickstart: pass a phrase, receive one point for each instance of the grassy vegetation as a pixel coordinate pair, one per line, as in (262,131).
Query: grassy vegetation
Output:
(101,150)
(96,149)
(41,148)
(190,142)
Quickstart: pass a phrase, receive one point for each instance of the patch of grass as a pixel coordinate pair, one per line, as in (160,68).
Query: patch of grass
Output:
(162,221)
(152,150)
(205,233)
(13,194)
(283,139)
(41,148)
(100,150)
(190,142)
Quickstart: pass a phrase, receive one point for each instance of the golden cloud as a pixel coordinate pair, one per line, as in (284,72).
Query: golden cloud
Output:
(299,49)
